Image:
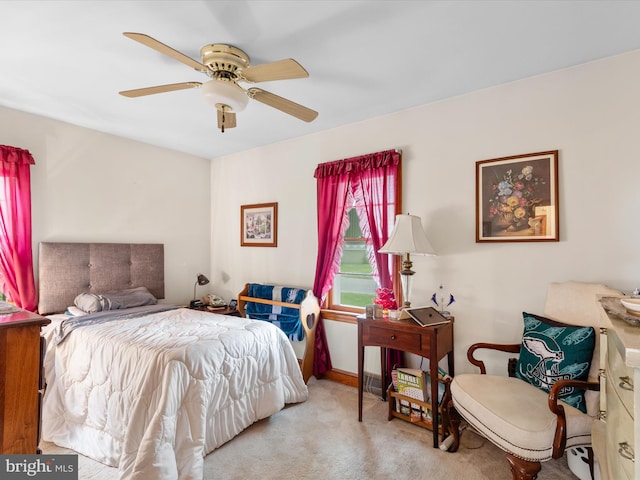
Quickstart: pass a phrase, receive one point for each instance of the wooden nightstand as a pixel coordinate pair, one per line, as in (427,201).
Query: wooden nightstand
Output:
(405,335)
(233,312)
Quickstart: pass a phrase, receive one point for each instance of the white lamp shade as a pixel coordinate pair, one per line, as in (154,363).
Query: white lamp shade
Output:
(408,237)
(223,92)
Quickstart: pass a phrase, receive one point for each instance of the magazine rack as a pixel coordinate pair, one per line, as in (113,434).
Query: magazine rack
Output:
(423,415)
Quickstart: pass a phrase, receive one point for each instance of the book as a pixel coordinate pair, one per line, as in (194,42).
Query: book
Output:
(394,379)
(409,382)
(412,383)
(416,383)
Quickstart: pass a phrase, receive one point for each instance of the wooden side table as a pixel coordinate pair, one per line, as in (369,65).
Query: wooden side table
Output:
(407,336)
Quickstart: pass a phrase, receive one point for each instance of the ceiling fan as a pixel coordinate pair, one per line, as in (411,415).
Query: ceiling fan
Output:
(226,66)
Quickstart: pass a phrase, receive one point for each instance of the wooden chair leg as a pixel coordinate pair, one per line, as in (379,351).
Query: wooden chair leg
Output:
(523,469)
(452,423)
(591,462)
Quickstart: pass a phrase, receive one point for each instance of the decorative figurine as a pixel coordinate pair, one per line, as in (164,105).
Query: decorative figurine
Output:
(442,305)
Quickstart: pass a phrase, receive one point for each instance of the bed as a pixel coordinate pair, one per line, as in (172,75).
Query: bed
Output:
(153,388)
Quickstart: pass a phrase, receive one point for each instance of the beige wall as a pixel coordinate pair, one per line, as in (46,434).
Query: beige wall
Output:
(590,113)
(89,186)
(92,187)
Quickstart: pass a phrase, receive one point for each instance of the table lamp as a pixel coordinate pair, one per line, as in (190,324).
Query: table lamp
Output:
(407,238)
(200,280)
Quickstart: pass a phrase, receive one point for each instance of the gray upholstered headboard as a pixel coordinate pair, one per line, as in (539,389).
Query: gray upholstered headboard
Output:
(68,269)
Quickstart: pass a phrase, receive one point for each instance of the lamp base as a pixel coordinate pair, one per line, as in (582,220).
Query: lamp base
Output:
(406,279)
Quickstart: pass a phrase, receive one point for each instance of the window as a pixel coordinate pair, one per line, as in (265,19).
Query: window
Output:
(354,285)
(368,198)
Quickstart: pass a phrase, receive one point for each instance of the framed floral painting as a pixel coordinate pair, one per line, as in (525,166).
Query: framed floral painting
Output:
(259,225)
(517,198)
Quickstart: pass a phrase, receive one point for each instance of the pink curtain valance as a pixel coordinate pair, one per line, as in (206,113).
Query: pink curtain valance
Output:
(16,155)
(387,158)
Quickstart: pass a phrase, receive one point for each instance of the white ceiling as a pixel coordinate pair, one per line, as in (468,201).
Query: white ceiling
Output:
(68,59)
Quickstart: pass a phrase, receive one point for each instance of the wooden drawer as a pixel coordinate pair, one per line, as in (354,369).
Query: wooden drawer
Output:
(384,337)
(620,439)
(620,376)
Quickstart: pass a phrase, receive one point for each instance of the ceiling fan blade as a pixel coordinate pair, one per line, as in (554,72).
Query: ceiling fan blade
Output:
(141,92)
(167,50)
(280,70)
(226,119)
(282,104)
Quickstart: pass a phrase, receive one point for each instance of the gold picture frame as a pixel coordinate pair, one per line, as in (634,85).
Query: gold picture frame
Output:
(259,225)
(517,198)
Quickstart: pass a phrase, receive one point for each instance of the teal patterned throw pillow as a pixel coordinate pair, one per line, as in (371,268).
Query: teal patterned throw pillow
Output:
(552,351)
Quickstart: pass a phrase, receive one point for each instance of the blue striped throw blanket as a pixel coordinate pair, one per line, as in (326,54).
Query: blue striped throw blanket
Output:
(286,318)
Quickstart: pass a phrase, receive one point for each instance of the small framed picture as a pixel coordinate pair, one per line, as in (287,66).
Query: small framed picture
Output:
(259,225)
(517,198)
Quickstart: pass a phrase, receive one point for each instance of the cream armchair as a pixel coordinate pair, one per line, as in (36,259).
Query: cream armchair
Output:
(529,424)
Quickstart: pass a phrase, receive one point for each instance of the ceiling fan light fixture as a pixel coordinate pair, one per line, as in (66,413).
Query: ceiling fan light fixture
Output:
(226,65)
(224,92)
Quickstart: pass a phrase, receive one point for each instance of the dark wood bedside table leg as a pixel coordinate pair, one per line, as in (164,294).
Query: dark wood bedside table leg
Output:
(360,372)
(433,375)
(383,373)
(450,364)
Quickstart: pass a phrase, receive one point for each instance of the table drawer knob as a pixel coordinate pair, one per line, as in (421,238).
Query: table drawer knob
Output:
(626,383)
(625,451)
(393,337)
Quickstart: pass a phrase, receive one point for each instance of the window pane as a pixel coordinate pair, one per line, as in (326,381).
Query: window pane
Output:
(352,290)
(354,286)
(353,231)
(354,258)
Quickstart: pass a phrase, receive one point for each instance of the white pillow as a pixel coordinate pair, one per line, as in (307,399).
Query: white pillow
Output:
(75,311)
(98,302)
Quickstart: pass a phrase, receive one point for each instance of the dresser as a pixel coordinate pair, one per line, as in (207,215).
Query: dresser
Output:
(616,436)
(21,381)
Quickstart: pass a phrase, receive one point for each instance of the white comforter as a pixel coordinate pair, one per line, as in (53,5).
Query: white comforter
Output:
(154,395)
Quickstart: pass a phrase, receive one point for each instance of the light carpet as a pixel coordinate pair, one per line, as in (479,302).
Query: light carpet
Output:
(322,439)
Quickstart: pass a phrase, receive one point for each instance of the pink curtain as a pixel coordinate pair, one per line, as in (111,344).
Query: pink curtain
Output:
(366,179)
(375,193)
(332,192)
(16,261)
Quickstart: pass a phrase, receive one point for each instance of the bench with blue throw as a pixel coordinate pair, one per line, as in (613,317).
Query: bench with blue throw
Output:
(294,310)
